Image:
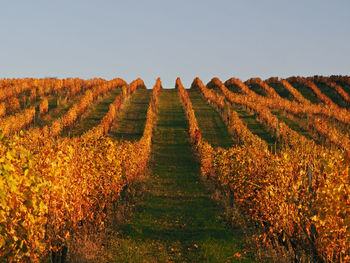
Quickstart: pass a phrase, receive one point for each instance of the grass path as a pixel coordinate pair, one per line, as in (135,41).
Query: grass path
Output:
(210,123)
(258,89)
(249,119)
(346,87)
(256,127)
(93,115)
(132,119)
(298,124)
(175,221)
(332,94)
(307,92)
(282,91)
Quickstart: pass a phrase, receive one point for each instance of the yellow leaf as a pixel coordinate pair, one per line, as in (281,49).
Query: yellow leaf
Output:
(2,241)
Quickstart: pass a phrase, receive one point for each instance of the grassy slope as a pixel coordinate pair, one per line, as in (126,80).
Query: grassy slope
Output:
(306,92)
(298,124)
(92,117)
(282,91)
(258,90)
(131,120)
(333,95)
(234,89)
(257,128)
(210,123)
(176,221)
(346,87)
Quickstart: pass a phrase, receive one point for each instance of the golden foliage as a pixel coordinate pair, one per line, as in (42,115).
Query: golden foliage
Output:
(54,187)
(299,196)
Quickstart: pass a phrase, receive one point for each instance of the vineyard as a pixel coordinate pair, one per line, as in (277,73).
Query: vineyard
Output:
(96,170)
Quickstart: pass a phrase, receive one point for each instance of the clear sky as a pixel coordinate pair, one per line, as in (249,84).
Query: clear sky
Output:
(186,38)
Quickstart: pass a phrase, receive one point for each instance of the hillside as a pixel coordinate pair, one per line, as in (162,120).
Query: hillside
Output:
(96,170)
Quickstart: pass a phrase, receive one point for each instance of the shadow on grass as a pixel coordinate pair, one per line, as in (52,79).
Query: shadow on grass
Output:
(212,127)
(94,115)
(176,221)
(132,119)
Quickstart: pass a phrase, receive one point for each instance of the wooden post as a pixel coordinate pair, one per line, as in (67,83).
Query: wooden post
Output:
(309,177)
(225,111)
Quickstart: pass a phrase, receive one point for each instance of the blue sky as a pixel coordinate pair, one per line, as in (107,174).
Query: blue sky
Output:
(147,39)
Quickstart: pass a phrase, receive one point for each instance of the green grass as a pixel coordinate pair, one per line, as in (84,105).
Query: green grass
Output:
(176,221)
(294,125)
(282,91)
(131,121)
(256,127)
(299,124)
(234,89)
(307,92)
(333,95)
(258,89)
(345,87)
(93,115)
(210,123)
